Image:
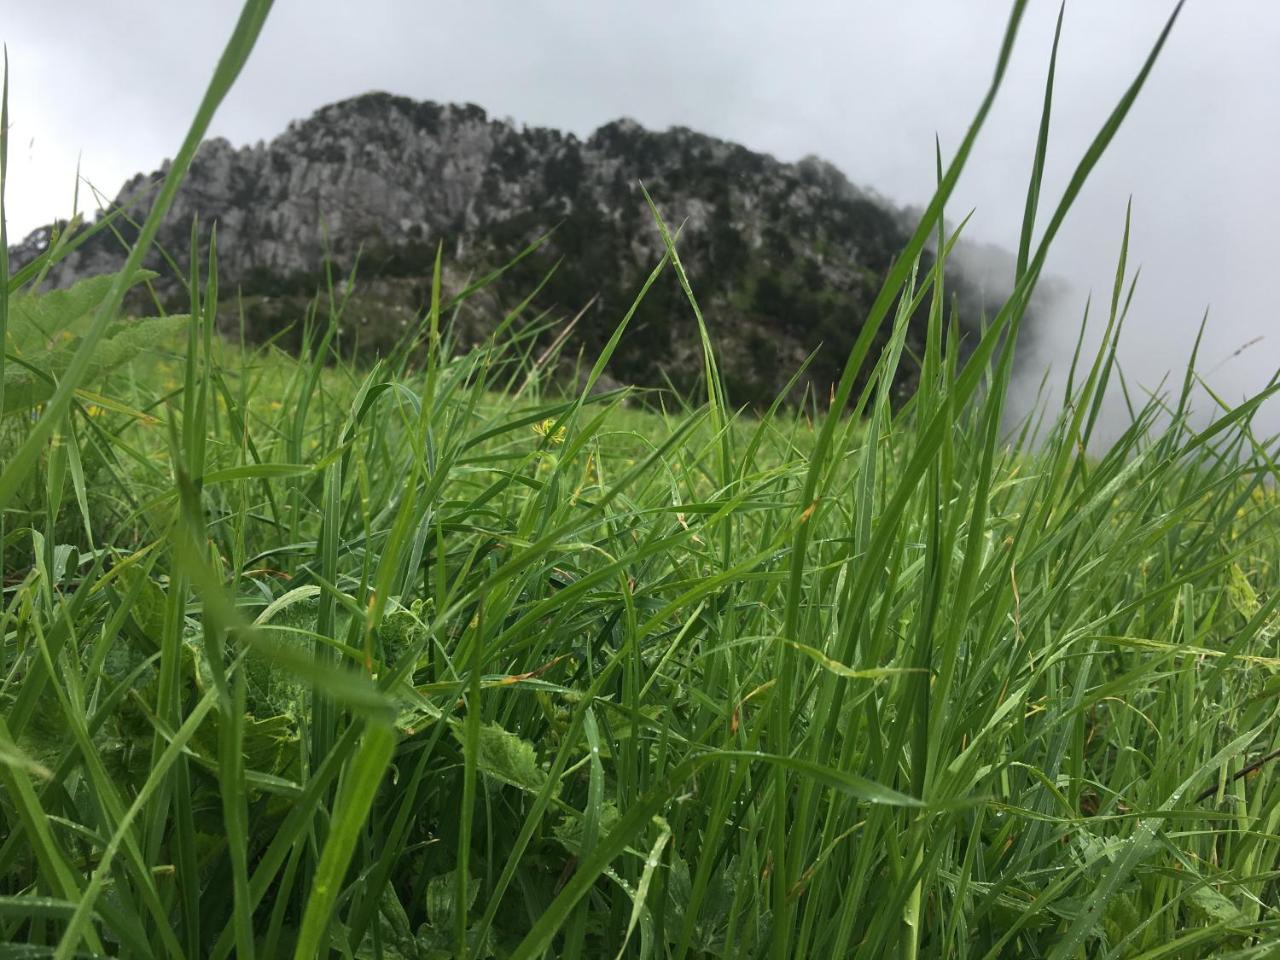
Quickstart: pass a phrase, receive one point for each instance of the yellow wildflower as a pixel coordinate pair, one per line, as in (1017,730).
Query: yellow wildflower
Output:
(543,429)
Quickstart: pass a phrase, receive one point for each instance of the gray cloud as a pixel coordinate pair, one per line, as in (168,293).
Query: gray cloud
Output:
(865,85)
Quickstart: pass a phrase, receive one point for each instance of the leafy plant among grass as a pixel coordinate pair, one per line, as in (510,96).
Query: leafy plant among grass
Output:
(436,659)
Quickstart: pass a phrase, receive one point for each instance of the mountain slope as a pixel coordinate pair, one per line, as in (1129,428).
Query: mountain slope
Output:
(784,257)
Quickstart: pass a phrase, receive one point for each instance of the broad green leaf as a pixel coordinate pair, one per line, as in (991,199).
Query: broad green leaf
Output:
(442,907)
(505,757)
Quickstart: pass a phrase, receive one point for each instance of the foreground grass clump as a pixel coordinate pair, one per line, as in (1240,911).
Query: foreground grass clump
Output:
(519,658)
(437,659)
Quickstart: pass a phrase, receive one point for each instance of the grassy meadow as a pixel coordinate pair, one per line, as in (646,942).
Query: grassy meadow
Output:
(438,657)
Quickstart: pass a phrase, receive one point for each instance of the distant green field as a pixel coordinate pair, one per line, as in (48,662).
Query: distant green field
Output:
(438,658)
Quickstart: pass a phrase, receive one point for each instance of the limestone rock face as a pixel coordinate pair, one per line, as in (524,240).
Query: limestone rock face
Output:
(785,258)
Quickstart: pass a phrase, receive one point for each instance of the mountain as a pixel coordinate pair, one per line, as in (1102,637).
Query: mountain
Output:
(783,257)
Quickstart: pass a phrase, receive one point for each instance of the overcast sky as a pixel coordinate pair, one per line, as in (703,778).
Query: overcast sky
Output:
(863,84)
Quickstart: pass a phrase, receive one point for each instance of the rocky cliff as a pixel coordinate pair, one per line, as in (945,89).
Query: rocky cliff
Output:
(784,257)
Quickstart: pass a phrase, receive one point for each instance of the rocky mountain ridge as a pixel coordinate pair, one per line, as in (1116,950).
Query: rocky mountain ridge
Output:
(785,258)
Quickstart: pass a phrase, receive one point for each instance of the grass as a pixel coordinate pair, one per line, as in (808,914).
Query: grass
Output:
(436,659)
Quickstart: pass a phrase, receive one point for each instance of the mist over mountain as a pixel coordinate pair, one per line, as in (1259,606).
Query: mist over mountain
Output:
(785,258)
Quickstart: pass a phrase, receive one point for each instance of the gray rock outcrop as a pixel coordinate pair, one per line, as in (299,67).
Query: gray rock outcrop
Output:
(784,257)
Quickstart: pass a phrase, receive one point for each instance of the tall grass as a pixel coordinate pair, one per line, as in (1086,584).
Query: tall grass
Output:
(437,659)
